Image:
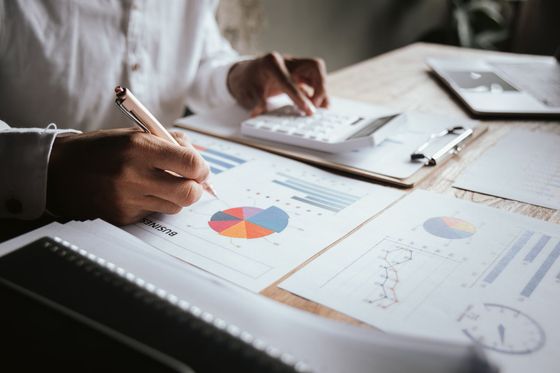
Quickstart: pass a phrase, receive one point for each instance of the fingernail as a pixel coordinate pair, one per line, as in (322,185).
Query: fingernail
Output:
(312,109)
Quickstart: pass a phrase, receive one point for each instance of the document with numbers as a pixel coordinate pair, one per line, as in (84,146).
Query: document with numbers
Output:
(273,214)
(436,266)
(523,166)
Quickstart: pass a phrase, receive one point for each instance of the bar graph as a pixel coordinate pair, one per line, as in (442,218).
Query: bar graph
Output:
(508,257)
(316,195)
(537,248)
(541,271)
(219,161)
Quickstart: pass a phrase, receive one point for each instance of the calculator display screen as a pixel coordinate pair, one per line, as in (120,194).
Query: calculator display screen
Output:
(372,127)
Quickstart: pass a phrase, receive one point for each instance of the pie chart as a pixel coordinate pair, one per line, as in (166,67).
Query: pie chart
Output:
(449,227)
(249,222)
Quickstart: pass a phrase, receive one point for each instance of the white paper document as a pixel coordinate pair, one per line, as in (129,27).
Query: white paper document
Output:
(390,158)
(436,266)
(523,166)
(272,215)
(310,342)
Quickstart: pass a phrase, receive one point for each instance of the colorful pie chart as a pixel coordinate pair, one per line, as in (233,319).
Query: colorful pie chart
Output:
(449,227)
(249,222)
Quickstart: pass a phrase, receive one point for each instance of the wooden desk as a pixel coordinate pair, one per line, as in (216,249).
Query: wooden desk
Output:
(400,79)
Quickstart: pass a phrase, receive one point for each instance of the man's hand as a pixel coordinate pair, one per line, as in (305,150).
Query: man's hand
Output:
(119,175)
(302,79)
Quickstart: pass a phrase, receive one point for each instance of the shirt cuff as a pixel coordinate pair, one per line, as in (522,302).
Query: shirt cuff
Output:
(220,76)
(24,158)
(210,89)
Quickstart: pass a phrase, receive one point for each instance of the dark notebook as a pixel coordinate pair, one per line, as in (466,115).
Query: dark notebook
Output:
(61,308)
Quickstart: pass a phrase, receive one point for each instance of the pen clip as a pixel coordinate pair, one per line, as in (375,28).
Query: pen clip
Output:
(131,116)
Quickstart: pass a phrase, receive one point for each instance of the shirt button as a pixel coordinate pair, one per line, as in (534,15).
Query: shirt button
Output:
(13,206)
(136,67)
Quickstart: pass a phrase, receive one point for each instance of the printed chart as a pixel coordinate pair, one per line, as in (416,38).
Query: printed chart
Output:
(390,274)
(502,329)
(314,194)
(449,227)
(528,247)
(435,266)
(218,161)
(249,222)
(222,156)
(273,214)
(531,176)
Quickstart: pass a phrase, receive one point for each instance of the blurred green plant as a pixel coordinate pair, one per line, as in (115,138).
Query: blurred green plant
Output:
(483,24)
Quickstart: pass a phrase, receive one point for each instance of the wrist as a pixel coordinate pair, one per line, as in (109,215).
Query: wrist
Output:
(239,82)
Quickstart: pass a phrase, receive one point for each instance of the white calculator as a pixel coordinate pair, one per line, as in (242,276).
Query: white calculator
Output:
(326,130)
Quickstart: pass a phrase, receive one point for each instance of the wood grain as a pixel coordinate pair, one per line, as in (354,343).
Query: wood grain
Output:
(401,79)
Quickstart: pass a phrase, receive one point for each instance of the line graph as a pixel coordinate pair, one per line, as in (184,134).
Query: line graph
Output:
(390,273)
(390,277)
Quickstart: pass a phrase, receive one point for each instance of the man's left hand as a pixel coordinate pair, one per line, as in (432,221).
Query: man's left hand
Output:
(302,79)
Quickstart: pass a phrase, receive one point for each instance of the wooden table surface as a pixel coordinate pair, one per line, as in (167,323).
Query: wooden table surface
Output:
(400,79)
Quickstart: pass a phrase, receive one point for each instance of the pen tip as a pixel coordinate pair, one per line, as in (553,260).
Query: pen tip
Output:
(210,189)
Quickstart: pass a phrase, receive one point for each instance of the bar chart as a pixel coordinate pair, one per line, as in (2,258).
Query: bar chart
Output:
(538,252)
(541,271)
(508,257)
(537,248)
(219,161)
(316,195)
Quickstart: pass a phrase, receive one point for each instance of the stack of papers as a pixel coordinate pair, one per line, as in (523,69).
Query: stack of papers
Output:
(282,331)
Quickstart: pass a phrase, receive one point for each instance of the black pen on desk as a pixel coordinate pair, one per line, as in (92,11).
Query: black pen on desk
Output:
(137,112)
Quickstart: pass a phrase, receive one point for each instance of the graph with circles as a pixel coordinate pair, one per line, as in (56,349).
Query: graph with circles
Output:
(449,227)
(249,222)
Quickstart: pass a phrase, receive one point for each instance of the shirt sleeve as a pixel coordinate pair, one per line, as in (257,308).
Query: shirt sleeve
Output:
(24,158)
(209,88)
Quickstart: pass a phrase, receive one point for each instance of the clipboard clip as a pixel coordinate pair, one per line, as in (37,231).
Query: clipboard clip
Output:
(131,115)
(451,148)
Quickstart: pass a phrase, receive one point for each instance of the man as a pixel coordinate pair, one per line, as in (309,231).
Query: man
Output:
(60,60)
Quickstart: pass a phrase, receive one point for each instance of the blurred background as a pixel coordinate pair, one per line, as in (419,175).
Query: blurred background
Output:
(344,32)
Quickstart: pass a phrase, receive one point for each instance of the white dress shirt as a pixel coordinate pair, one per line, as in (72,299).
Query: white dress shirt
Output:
(61,59)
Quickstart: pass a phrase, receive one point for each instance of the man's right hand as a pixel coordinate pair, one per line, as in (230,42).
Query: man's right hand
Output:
(119,175)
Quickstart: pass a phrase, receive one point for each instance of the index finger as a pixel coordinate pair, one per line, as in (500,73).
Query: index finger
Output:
(284,78)
(183,160)
(312,72)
